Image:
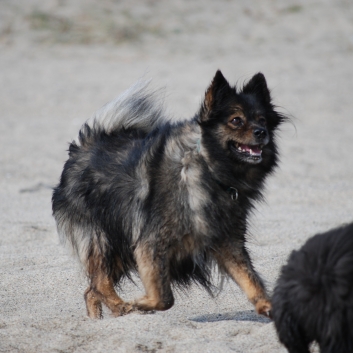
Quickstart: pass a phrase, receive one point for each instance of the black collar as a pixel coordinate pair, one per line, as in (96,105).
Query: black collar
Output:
(233,192)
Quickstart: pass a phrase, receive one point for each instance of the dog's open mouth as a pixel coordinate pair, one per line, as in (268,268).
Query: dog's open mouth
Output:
(248,153)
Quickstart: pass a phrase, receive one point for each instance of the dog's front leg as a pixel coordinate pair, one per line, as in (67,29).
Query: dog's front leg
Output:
(154,273)
(237,264)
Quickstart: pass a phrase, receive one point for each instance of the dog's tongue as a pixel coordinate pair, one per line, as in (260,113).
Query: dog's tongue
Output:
(254,150)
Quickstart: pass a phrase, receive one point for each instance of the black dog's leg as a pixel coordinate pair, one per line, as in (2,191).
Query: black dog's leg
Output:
(290,332)
(154,274)
(237,264)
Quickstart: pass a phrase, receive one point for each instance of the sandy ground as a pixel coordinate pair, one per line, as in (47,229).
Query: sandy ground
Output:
(62,60)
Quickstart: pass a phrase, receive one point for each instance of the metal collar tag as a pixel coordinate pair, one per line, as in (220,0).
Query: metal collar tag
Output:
(233,192)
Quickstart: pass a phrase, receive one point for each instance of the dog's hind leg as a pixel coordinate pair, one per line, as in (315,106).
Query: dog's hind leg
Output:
(93,303)
(154,274)
(237,264)
(101,290)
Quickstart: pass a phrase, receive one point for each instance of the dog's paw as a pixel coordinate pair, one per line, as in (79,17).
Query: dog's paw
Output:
(123,309)
(263,307)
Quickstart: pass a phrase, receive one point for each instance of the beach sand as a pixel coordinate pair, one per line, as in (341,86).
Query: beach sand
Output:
(62,60)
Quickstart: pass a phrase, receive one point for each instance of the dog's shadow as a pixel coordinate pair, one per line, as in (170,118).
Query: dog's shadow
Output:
(247,315)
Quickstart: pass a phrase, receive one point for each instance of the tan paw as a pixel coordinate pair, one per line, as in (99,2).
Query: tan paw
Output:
(263,307)
(123,309)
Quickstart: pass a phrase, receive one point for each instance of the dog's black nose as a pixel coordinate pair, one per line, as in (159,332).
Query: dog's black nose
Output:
(260,133)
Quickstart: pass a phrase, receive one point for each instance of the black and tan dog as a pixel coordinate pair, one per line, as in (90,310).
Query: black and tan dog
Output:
(140,192)
(313,299)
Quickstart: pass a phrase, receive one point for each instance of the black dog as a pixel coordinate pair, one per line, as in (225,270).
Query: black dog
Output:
(313,299)
(141,193)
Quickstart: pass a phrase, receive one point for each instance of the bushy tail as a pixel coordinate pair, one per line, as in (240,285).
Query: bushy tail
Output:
(139,107)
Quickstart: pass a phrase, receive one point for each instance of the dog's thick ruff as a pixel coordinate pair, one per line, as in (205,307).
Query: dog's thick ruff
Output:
(313,299)
(142,193)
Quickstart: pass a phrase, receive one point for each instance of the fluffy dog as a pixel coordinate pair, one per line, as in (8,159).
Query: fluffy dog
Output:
(141,193)
(313,299)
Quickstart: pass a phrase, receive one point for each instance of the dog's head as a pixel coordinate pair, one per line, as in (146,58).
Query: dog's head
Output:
(242,122)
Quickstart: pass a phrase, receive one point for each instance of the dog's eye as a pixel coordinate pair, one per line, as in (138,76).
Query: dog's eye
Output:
(262,121)
(237,122)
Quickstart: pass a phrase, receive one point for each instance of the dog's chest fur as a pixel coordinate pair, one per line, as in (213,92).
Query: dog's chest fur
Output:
(185,188)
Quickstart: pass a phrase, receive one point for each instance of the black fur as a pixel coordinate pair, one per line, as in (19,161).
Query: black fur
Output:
(157,183)
(313,299)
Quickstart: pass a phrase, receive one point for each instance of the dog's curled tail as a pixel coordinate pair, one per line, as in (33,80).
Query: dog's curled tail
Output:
(139,107)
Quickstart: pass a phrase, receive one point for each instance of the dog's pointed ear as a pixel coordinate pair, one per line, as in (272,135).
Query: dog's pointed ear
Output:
(218,90)
(258,86)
